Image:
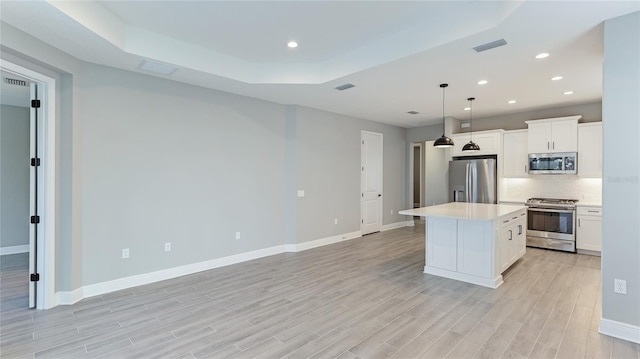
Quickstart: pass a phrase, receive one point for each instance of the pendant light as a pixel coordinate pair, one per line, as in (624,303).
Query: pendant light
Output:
(444,141)
(471,146)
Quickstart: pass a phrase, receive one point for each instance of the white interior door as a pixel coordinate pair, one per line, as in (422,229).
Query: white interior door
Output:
(371,182)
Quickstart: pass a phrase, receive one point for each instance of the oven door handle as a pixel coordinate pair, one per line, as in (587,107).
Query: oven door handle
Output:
(554,210)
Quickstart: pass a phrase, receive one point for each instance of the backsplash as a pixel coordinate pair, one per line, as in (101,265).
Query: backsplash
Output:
(585,190)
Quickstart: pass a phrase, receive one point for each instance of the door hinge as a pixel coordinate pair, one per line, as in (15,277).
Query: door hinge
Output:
(35,277)
(35,219)
(35,103)
(362,220)
(363,142)
(363,195)
(35,162)
(363,169)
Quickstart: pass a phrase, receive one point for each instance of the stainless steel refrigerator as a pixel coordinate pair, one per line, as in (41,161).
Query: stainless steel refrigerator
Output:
(473,180)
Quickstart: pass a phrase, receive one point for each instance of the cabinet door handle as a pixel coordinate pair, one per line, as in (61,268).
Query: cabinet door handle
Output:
(547,145)
(553,145)
(519,229)
(593,211)
(510,234)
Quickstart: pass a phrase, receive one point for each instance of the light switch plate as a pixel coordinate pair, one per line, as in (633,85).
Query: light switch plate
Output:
(300,193)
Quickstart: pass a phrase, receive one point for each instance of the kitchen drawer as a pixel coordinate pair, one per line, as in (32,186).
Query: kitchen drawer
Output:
(589,211)
(507,220)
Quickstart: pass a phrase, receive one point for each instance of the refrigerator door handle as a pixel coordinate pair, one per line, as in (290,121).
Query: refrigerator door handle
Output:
(467,183)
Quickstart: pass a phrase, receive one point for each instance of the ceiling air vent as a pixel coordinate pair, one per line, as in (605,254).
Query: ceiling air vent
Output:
(413,112)
(16,82)
(490,45)
(345,87)
(156,67)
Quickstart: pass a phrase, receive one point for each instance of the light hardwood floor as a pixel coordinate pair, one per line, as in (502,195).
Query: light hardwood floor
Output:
(364,298)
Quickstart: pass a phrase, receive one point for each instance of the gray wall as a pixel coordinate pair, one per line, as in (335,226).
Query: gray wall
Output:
(621,172)
(14,176)
(168,162)
(328,170)
(591,112)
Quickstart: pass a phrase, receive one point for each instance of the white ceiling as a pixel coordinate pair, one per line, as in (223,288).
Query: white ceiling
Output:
(395,52)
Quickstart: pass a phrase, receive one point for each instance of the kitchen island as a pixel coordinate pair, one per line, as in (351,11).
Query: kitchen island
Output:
(472,242)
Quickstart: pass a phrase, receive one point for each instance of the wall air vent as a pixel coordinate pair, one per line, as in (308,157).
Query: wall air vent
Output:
(16,82)
(490,45)
(413,112)
(345,87)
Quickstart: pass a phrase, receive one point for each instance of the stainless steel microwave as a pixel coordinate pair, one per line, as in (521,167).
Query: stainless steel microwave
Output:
(553,163)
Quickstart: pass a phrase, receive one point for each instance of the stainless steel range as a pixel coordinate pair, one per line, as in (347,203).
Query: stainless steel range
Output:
(551,223)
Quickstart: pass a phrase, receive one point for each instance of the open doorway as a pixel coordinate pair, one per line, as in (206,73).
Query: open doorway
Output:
(27,196)
(428,173)
(418,178)
(14,189)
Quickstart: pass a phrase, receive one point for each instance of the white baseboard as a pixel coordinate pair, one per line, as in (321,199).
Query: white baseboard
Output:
(388,227)
(68,298)
(620,330)
(322,242)
(14,249)
(146,278)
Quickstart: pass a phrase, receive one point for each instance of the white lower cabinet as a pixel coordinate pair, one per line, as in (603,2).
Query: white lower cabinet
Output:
(589,231)
(475,251)
(442,234)
(475,243)
(513,239)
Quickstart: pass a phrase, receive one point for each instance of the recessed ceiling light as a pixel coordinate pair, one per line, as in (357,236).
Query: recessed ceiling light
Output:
(292,44)
(511,101)
(568,92)
(542,55)
(556,78)
(467,108)
(483,82)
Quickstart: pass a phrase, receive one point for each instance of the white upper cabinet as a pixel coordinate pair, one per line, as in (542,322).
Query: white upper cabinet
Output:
(553,135)
(490,143)
(515,155)
(590,150)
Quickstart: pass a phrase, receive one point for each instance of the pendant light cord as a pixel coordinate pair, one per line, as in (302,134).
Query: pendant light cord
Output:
(444,86)
(470,99)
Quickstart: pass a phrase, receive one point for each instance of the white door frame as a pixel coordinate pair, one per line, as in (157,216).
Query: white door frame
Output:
(362,204)
(46,237)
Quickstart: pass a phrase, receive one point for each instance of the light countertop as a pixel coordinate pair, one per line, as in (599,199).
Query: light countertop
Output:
(462,210)
(588,204)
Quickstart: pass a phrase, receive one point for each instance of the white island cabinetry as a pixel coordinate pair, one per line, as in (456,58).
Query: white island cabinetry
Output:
(472,242)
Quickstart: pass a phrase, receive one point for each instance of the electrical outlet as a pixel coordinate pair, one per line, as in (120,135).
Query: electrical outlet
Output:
(300,193)
(125,253)
(335,221)
(620,286)
(237,235)
(167,247)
